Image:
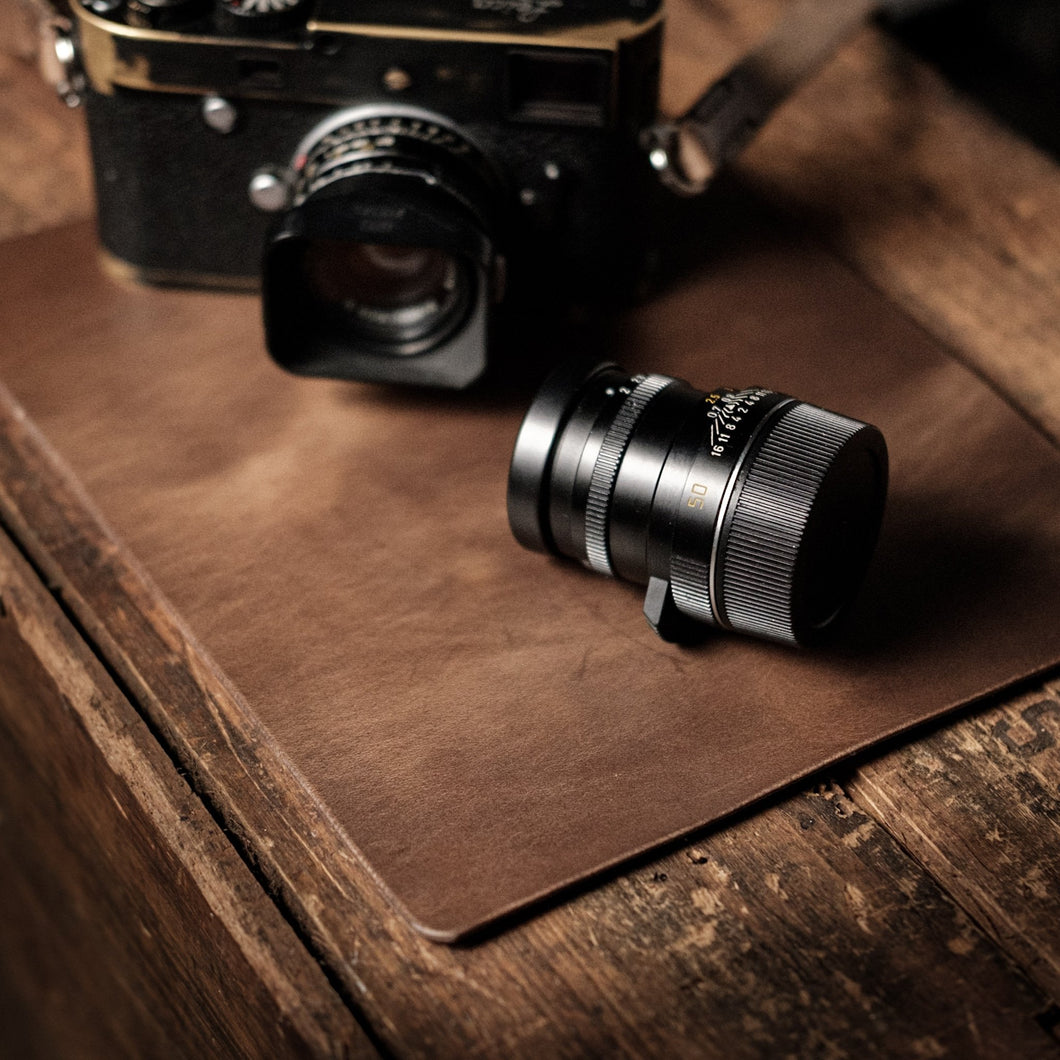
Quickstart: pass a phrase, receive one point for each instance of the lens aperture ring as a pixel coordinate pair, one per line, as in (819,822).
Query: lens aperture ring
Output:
(396,141)
(770,516)
(605,470)
(375,140)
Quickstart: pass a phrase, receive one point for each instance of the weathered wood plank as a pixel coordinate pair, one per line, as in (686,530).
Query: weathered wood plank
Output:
(629,969)
(129,925)
(978,804)
(953,216)
(777,937)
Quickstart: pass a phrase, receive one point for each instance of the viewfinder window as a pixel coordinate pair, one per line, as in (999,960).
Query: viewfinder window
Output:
(558,88)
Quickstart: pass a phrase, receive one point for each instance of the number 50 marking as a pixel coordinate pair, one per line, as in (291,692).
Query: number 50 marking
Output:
(699,491)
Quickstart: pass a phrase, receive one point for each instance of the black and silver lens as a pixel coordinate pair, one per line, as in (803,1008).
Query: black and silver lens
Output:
(382,269)
(746,510)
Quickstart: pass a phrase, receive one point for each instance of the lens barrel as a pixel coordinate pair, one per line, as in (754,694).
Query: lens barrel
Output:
(745,510)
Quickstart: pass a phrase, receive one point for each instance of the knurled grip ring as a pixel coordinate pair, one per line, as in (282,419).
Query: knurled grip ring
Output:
(605,470)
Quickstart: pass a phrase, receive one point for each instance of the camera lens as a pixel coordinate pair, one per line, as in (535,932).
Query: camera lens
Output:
(407,298)
(745,510)
(382,269)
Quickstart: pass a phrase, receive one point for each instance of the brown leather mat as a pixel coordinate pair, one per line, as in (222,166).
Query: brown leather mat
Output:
(486,724)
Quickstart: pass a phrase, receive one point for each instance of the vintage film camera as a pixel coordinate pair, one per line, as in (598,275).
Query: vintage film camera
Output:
(394,173)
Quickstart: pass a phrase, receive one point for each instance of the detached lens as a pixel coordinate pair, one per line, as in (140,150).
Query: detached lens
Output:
(741,509)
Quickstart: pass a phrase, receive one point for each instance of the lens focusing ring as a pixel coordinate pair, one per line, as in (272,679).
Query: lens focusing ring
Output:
(770,517)
(605,470)
(393,141)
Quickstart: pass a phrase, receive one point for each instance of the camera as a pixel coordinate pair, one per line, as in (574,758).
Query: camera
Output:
(396,176)
(743,510)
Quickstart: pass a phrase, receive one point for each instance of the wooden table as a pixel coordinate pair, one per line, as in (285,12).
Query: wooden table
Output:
(160,899)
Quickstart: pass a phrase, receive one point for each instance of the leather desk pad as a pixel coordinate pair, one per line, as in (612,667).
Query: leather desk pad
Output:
(486,724)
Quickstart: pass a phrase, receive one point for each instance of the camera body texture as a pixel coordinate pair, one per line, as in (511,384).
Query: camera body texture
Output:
(396,183)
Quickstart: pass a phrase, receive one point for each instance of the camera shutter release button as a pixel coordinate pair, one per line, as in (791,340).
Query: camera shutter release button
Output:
(270,190)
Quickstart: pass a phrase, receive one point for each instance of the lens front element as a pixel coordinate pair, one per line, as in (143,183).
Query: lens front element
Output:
(745,510)
(402,299)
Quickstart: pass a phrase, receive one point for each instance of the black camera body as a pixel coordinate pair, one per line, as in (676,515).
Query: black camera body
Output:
(391,182)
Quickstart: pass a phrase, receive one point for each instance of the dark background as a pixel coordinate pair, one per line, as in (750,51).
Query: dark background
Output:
(1005,53)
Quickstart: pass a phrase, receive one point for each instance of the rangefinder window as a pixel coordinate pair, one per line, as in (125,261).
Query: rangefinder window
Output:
(259,73)
(558,88)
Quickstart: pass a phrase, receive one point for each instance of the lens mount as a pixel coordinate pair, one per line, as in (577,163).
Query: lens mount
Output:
(745,510)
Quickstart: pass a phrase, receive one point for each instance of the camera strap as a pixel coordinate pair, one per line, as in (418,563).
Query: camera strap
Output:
(688,151)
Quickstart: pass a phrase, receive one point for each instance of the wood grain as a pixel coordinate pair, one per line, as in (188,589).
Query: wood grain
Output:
(787,917)
(129,926)
(977,804)
(953,216)
(806,929)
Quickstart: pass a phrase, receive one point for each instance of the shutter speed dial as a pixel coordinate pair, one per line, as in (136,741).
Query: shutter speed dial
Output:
(259,17)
